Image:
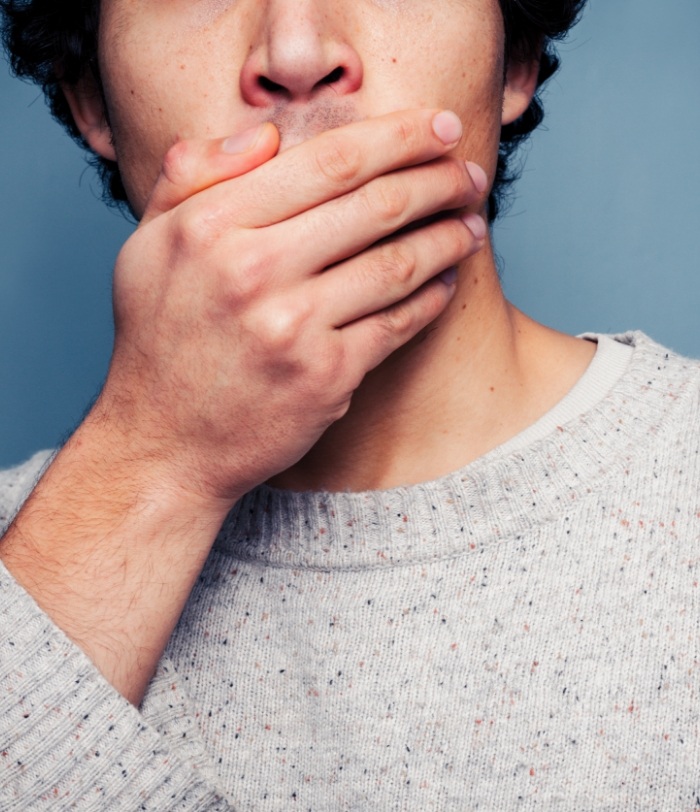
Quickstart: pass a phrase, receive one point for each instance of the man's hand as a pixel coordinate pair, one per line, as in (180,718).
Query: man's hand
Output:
(248,313)
(249,304)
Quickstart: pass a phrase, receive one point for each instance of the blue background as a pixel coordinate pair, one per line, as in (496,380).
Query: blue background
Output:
(603,233)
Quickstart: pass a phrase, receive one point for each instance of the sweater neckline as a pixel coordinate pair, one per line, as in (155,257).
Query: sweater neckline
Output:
(616,408)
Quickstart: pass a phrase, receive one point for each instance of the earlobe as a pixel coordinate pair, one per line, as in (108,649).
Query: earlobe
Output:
(87,107)
(521,84)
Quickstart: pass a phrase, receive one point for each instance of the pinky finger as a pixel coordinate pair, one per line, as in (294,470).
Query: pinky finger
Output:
(371,339)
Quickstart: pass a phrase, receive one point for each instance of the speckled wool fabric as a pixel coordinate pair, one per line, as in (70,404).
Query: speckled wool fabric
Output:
(522,634)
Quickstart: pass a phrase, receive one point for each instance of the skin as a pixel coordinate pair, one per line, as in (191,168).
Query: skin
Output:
(275,320)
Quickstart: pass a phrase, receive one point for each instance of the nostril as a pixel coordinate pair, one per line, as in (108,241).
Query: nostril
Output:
(274,87)
(280,77)
(270,86)
(333,77)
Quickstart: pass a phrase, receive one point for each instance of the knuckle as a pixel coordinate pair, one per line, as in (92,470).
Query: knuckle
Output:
(388,202)
(339,161)
(176,164)
(398,320)
(403,321)
(449,241)
(464,241)
(397,264)
(408,135)
(196,228)
(455,178)
(280,327)
(432,301)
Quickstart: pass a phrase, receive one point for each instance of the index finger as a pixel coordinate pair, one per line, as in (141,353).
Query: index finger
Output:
(337,162)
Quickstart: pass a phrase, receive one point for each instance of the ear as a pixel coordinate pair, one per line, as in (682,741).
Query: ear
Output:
(521,84)
(86,105)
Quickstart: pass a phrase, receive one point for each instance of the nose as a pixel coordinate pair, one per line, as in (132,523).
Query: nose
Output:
(301,52)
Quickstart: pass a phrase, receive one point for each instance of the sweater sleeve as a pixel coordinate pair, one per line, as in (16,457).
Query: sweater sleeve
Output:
(68,739)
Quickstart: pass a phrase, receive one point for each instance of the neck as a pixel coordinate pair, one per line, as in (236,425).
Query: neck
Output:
(473,379)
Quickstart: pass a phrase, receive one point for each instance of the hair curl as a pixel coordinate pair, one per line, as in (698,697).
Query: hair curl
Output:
(51,42)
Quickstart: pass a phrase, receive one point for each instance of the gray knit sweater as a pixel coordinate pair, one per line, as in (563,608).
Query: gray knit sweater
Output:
(522,634)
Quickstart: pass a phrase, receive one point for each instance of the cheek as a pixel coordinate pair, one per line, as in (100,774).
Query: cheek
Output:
(139,134)
(154,99)
(166,68)
(462,72)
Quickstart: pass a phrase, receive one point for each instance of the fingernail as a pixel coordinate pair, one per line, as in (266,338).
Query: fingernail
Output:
(476,225)
(447,127)
(242,141)
(478,176)
(449,276)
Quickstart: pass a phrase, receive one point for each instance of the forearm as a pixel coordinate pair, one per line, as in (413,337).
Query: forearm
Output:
(109,548)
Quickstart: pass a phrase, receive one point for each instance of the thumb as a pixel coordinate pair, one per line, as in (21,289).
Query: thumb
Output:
(190,166)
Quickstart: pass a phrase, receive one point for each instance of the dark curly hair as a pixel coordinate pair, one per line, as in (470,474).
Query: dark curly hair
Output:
(53,41)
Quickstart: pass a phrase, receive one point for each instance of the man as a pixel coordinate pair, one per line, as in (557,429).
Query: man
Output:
(470,580)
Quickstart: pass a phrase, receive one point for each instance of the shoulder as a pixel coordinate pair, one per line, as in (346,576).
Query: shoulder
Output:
(660,392)
(17,483)
(658,368)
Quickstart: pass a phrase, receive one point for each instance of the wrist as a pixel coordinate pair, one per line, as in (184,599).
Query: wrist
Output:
(146,470)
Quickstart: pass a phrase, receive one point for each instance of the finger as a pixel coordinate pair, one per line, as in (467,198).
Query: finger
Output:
(389,272)
(348,225)
(339,161)
(191,166)
(370,340)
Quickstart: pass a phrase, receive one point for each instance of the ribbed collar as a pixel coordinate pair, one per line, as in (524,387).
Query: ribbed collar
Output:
(596,431)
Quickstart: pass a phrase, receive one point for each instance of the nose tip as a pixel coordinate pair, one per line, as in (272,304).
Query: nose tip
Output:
(299,70)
